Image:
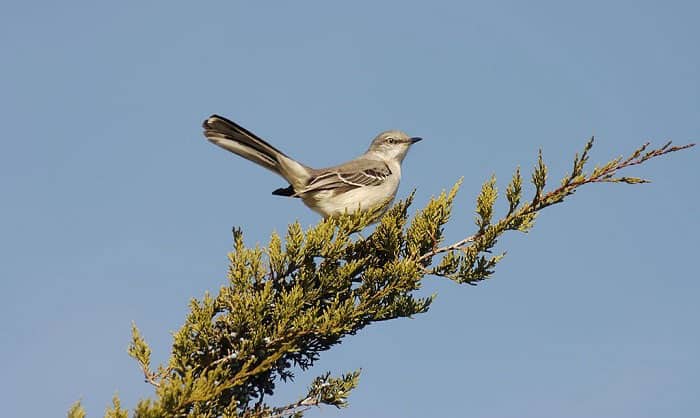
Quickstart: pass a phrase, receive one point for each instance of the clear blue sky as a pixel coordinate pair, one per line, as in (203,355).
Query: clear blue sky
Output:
(114,207)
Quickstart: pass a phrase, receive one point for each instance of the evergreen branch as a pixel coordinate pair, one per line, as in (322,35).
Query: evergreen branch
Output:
(323,390)
(287,303)
(141,352)
(469,267)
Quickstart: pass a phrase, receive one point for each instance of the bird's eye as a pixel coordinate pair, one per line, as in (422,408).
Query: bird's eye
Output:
(391,140)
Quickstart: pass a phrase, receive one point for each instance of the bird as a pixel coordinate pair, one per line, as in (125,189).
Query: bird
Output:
(366,183)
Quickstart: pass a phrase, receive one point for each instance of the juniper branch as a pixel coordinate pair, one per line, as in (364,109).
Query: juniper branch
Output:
(284,305)
(469,267)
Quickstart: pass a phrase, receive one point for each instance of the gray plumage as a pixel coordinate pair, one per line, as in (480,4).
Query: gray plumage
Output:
(360,184)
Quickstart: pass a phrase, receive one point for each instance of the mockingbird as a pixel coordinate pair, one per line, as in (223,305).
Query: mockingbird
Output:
(369,182)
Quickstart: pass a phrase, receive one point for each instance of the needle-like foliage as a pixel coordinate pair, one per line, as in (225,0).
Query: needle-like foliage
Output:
(286,303)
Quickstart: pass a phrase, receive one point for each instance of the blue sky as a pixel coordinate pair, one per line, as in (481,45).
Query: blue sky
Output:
(116,209)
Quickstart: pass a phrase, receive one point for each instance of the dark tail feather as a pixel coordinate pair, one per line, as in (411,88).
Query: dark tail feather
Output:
(233,137)
(287,191)
(219,126)
(240,141)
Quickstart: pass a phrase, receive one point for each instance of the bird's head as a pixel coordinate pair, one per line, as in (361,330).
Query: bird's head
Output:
(392,145)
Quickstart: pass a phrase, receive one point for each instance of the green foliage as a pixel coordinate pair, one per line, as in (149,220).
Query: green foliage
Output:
(539,177)
(285,304)
(514,191)
(426,230)
(76,411)
(485,202)
(116,410)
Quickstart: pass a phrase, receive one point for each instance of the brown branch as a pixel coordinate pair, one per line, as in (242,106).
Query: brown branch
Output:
(456,246)
(301,406)
(231,356)
(152,377)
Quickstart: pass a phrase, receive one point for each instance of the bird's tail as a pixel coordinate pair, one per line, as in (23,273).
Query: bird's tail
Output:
(235,138)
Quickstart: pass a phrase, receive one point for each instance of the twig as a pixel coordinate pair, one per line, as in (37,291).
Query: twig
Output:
(301,406)
(435,251)
(231,356)
(150,377)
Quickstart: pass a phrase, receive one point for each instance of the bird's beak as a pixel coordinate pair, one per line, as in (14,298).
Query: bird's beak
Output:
(415,139)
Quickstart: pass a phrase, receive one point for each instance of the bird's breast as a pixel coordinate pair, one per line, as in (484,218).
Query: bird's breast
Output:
(329,203)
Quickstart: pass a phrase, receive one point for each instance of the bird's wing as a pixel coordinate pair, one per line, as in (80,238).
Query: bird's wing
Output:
(348,176)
